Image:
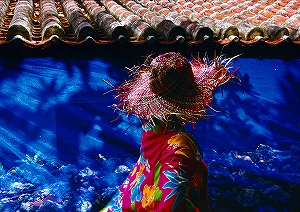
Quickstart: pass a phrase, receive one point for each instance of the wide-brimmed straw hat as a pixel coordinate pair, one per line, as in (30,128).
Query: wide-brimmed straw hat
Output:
(169,85)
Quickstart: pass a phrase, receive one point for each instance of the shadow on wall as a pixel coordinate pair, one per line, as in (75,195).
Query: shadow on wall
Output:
(57,107)
(56,127)
(262,109)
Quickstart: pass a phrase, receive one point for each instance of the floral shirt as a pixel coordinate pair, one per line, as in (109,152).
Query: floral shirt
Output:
(170,175)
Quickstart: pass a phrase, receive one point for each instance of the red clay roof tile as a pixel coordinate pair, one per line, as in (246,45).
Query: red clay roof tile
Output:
(71,21)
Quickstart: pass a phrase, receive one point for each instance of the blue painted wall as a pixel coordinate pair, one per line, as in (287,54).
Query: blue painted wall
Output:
(56,126)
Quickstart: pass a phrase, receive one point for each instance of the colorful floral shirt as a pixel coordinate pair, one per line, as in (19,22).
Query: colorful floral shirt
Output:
(170,175)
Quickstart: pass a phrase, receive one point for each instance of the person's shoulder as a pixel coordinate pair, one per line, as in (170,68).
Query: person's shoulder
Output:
(183,139)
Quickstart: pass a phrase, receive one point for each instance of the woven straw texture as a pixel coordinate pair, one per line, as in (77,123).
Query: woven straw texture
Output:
(170,85)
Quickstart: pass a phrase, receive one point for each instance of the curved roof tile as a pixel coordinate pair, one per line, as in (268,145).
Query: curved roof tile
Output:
(166,21)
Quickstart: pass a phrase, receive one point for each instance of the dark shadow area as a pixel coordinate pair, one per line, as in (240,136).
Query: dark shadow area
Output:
(285,49)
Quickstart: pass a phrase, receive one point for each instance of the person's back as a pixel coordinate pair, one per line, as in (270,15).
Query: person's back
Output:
(170,175)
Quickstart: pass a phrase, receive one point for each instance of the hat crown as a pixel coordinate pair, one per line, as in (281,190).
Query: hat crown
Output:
(172,77)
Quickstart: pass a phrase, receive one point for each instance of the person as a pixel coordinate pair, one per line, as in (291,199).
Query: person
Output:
(166,93)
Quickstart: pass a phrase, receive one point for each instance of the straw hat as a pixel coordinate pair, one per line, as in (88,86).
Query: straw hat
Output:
(169,85)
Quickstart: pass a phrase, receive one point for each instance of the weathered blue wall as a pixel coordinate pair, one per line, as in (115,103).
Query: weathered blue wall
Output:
(56,110)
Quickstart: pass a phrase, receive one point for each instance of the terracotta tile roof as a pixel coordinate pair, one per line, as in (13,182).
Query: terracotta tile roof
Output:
(37,22)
